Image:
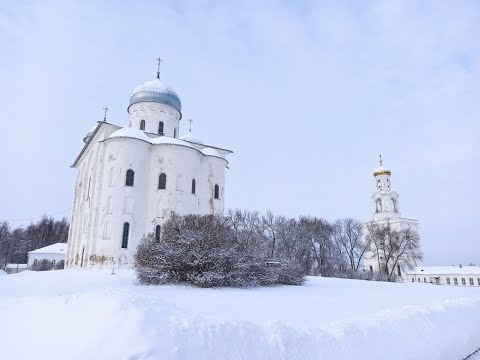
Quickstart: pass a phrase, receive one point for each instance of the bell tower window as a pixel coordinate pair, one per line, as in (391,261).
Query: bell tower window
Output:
(142,125)
(160,128)
(216,194)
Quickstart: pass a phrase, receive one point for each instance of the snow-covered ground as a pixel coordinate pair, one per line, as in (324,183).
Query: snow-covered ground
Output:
(75,314)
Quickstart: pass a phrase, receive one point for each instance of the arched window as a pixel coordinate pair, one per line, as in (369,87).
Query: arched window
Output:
(53,264)
(394,201)
(35,262)
(216,194)
(126,229)
(142,125)
(193,186)
(162,181)
(129,178)
(160,128)
(378,205)
(158,230)
(175,132)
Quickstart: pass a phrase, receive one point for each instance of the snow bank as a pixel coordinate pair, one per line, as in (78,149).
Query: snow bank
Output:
(87,314)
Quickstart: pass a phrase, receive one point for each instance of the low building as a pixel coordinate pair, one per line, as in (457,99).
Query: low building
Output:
(51,257)
(446,275)
(15,268)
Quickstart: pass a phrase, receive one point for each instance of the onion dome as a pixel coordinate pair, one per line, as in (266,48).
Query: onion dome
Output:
(158,92)
(381,170)
(191,138)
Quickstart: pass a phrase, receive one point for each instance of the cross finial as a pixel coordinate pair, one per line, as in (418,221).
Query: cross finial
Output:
(105,109)
(381,161)
(158,68)
(190,121)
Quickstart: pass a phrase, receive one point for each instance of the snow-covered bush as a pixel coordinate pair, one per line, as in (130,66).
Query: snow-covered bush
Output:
(205,251)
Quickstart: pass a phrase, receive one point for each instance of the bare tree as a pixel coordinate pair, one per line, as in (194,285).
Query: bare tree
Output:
(348,235)
(394,247)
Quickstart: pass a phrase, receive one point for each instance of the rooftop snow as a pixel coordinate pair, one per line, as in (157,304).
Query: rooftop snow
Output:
(211,152)
(58,248)
(446,270)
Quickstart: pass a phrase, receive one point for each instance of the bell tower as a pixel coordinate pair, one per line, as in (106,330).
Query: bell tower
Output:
(384,200)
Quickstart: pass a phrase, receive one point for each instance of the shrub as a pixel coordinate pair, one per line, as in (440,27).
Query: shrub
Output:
(204,251)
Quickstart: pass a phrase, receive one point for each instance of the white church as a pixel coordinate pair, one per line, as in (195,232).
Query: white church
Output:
(386,208)
(131,178)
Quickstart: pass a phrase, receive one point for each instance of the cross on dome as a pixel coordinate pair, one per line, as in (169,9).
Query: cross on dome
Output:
(158,68)
(105,109)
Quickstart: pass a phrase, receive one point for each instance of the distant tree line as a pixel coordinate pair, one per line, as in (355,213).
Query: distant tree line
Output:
(225,250)
(15,243)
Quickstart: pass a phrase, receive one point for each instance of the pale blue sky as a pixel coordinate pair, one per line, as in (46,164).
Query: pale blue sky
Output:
(306,94)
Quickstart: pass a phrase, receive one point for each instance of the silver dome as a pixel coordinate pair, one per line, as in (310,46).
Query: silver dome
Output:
(156,91)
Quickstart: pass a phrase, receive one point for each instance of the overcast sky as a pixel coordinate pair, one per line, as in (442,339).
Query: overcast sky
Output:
(306,94)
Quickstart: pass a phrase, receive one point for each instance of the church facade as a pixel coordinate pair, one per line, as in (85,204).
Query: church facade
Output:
(130,179)
(386,210)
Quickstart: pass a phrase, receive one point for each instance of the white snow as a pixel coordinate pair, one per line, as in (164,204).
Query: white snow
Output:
(58,248)
(191,138)
(78,314)
(446,270)
(156,86)
(2,272)
(211,152)
(129,132)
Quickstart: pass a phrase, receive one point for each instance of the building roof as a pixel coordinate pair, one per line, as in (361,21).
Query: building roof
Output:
(446,270)
(58,248)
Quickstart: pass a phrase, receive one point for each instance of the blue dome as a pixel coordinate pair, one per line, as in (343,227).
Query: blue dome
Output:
(156,91)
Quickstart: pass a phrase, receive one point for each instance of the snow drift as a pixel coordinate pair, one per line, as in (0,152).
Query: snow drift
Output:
(92,314)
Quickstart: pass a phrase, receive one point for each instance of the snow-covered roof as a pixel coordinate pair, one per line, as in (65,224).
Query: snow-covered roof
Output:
(129,132)
(211,152)
(15,266)
(58,248)
(446,270)
(191,138)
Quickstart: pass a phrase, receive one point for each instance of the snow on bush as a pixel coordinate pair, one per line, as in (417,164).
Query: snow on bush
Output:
(205,251)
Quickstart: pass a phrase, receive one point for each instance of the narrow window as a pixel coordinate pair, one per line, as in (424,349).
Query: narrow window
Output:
(424,280)
(455,281)
(53,264)
(217,192)
(142,125)
(448,281)
(35,264)
(463,281)
(160,128)
(398,270)
(129,177)
(371,268)
(175,132)
(162,181)
(158,229)
(378,204)
(126,228)
(193,186)
(413,279)
(471,281)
